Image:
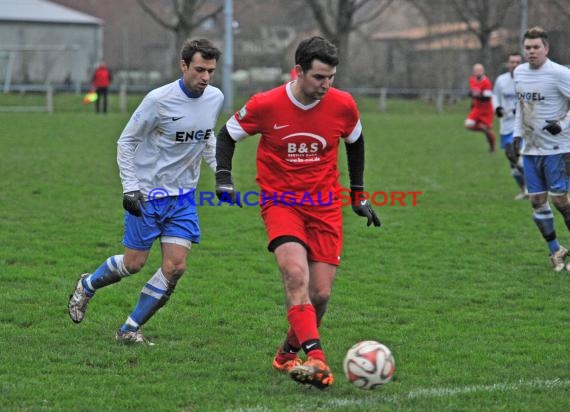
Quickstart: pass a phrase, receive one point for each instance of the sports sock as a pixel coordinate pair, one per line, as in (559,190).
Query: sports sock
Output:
(303,321)
(111,271)
(544,220)
(153,296)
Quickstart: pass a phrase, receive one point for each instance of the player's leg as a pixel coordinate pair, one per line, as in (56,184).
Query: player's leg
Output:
(292,260)
(535,176)
(515,163)
(109,272)
(179,227)
(157,291)
(558,178)
(486,125)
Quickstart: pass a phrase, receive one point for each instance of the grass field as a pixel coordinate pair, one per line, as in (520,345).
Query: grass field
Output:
(459,286)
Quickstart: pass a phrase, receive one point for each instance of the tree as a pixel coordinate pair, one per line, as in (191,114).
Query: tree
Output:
(337,19)
(482,18)
(183,18)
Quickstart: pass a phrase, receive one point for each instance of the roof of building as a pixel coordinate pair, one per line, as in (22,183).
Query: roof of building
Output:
(43,11)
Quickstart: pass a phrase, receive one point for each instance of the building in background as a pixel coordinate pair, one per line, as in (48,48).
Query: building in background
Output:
(45,43)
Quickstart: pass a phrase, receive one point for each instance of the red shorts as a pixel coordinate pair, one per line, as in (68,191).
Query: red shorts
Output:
(481,116)
(320,228)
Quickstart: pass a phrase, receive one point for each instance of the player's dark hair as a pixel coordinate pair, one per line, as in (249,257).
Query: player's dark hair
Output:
(203,46)
(536,33)
(315,48)
(515,54)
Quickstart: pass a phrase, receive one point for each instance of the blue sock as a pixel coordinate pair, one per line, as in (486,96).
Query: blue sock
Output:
(111,271)
(544,220)
(153,296)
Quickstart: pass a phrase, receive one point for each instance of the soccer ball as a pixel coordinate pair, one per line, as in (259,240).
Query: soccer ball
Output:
(369,364)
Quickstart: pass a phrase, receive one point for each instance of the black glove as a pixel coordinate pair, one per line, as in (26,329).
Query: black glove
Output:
(517,145)
(553,127)
(499,111)
(362,208)
(225,189)
(133,202)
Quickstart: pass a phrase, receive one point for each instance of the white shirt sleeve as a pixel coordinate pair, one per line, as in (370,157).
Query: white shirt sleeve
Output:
(143,120)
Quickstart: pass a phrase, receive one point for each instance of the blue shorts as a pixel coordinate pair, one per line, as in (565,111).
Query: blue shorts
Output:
(170,216)
(506,139)
(547,173)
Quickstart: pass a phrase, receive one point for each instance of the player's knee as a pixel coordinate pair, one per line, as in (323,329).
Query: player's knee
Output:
(562,204)
(294,275)
(134,264)
(174,270)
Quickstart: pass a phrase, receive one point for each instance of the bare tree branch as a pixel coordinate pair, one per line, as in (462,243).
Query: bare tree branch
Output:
(155,16)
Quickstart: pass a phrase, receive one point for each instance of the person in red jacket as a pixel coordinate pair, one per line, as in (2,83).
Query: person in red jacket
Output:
(480,118)
(101,82)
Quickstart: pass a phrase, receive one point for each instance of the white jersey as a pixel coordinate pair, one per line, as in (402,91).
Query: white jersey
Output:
(504,95)
(543,94)
(163,143)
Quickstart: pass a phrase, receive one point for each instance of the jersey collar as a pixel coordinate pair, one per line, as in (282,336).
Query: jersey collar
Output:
(288,88)
(189,93)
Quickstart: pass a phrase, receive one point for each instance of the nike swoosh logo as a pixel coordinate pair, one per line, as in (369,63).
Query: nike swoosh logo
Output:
(177,118)
(276,127)
(312,345)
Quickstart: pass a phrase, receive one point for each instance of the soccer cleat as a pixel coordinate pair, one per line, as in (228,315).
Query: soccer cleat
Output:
(284,362)
(521,196)
(313,372)
(557,259)
(132,337)
(78,301)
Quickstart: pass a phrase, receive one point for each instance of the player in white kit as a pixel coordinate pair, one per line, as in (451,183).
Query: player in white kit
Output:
(159,156)
(504,101)
(543,121)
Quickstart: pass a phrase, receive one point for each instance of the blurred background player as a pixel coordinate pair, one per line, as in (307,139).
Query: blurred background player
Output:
(159,154)
(101,81)
(302,124)
(504,101)
(480,118)
(543,121)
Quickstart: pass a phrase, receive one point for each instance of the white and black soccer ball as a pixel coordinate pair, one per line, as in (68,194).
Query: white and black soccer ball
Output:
(369,364)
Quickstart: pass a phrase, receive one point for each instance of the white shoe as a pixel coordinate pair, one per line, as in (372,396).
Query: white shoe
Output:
(130,337)
(521,196)
(557,259)
(78,301)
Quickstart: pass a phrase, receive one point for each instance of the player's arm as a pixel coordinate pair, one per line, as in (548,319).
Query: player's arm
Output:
(355,157)
(555,126)
(140,125)
(225,147)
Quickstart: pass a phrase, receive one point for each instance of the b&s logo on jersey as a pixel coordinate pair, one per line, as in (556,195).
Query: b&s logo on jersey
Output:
(304,147)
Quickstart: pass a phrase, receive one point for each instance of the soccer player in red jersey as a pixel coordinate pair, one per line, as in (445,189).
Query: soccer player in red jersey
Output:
(301,124)
(480,118)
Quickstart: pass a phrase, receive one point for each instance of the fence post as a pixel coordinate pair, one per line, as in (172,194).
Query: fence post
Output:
(123,98)
(382,100)
(49,98)
(439,101)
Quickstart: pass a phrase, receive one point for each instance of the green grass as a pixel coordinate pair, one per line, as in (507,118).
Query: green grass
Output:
(459,287)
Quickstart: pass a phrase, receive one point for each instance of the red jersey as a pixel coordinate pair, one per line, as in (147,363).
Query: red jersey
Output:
(481,87)
(101,77)
(298,149)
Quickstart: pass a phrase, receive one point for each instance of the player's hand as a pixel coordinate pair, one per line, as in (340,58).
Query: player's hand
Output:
(553,127)
(225,189)
(499,111)
(133,202)
(361,207)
